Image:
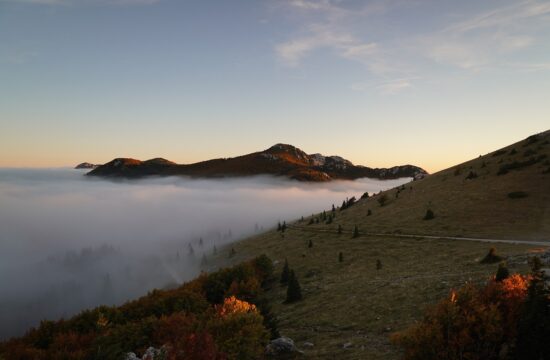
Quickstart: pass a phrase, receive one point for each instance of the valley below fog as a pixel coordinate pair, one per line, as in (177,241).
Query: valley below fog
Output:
(69,242)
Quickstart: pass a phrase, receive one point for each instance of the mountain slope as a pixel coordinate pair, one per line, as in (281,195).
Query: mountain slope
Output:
(353,305)
(278,160)
(504,194)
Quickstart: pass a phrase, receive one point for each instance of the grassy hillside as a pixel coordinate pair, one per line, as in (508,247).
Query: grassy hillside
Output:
(470,199)
(350,308)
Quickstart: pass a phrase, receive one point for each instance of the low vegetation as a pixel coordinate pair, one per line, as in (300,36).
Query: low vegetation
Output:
(507,318)
(517,194)
(221,315)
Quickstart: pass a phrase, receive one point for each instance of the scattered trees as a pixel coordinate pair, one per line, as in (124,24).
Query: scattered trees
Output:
(206,318)
(348,203)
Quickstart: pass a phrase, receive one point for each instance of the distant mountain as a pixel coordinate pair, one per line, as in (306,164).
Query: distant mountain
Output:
(86,165)
(278,160)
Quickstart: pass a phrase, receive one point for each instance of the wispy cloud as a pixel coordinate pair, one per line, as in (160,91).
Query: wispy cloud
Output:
(292,51)
(483,39)
(471,41)
(389,87)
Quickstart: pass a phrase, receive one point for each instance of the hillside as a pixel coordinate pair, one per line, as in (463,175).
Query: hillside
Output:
(350,308)
(360,283)
(278,160)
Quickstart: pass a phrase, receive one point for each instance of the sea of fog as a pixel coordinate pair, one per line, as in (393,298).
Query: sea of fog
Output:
(69,242)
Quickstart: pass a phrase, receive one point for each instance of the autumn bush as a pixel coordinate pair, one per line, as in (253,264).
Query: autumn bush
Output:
(491,321)
(216,316)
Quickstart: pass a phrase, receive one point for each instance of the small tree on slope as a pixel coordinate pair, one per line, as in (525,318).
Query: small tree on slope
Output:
(294,291)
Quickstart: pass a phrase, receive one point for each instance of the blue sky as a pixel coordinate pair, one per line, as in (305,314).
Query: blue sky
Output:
(381,83)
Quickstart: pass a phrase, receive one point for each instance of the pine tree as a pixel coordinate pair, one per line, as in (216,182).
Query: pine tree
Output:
(429,215)
(310,221)
(293,291)
(310,244)
(329,219)
(355,231)
(279,226)
(339,229)
(201,243)
(340,257)
(378,264)
(502,272)
(214,250)
(204,261)
(283,227)
(333,208)
(232,252)
(285,273)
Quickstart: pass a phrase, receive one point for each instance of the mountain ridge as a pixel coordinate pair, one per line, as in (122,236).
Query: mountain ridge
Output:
(278,160)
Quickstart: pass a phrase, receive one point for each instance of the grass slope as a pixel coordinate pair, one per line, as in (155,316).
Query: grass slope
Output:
(353,303)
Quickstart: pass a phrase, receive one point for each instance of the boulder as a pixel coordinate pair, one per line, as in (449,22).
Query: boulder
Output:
(281,346)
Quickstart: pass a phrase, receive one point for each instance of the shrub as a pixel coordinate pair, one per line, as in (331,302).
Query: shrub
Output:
(491,257)
(382,199)
(516,165)
(498,153)
(429,215)
(471,175)
(502,272)
(473,323)
(517,194)
(238,330)
(529,152)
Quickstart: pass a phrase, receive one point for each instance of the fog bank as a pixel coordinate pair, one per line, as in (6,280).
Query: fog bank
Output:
(68,242)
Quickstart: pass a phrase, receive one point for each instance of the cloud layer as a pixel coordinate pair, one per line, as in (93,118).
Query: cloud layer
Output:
(68,242)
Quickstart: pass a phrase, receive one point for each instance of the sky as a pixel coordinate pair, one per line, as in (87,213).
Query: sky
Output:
(381,83)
